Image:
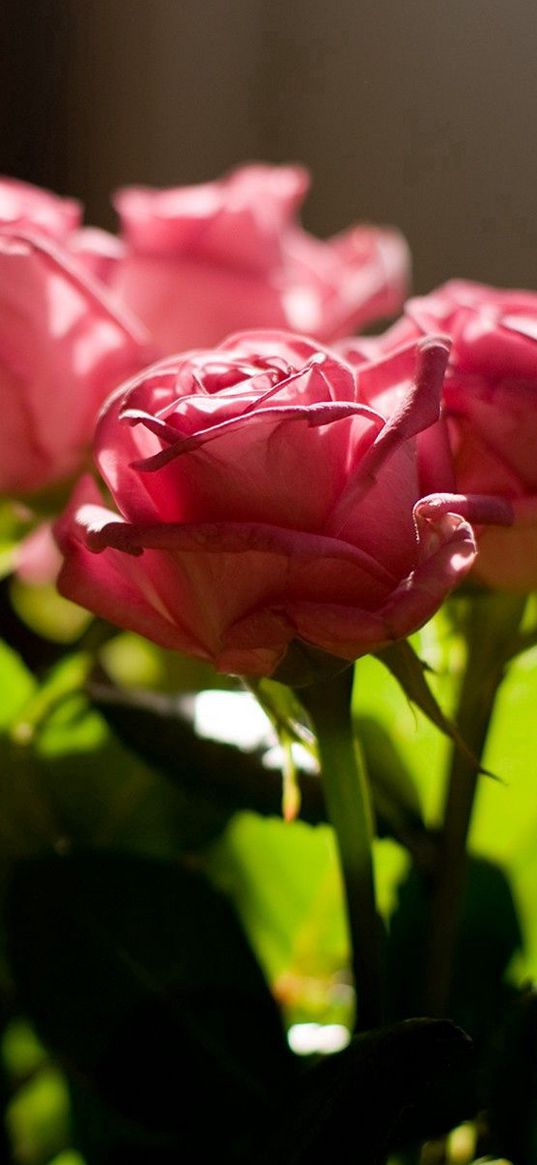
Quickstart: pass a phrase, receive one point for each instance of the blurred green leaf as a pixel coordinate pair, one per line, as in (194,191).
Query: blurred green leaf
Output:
(38,1118)
(505,817)
(15,520)
(47,613)
(284,880)
(68,1157)
(62,680)
(21,1051)
(16,685)
(133,662)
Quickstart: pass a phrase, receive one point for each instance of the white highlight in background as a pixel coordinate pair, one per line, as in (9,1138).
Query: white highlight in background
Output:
(305,1039)
(233,718)
(236,718)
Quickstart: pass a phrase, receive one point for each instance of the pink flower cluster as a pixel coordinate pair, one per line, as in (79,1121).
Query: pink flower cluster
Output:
(270,489)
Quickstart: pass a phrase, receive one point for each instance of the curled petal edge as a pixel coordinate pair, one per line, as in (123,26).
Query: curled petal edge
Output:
(478,509)
(350,633)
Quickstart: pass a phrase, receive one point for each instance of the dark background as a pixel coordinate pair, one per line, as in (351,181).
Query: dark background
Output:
(420,113)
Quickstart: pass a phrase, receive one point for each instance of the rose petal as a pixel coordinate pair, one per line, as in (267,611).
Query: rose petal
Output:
(349,633)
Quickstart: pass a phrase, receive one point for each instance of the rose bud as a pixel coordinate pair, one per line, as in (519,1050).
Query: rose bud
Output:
(63,347)
(490,410)
(260,504)
(203,261)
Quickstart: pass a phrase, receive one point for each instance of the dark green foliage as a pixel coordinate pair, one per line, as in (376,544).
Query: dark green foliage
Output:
(138,977)
(512,1083)
(489,936)
(388,1088)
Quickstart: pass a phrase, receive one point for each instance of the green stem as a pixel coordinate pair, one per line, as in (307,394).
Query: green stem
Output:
(348,803)
(493,622)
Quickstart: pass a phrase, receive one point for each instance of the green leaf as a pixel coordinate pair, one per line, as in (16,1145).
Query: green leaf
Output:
(46,613)
(301,929)
(410,671)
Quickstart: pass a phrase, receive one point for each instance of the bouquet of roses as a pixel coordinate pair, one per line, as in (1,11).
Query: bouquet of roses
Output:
(224,514)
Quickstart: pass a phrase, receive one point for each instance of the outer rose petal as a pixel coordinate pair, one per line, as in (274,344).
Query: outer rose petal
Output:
(112,585)
(190,587)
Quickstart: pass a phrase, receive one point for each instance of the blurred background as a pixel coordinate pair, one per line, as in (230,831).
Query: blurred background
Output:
(418,113)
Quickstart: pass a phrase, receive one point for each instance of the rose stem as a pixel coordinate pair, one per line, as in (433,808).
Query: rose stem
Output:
(348,803)
(492,623)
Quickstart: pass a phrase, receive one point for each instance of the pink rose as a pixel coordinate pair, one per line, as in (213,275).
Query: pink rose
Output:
(28,208)
(63,348)
(259,503)
(95,252)
(490,408)
(203,261)
(37,559)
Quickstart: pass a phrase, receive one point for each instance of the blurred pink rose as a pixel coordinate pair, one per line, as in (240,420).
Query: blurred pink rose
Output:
(28,207)
(490,406)
(37,558)
(203,261)
(31,209)
(95,252)
(63,348)
(259,503)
